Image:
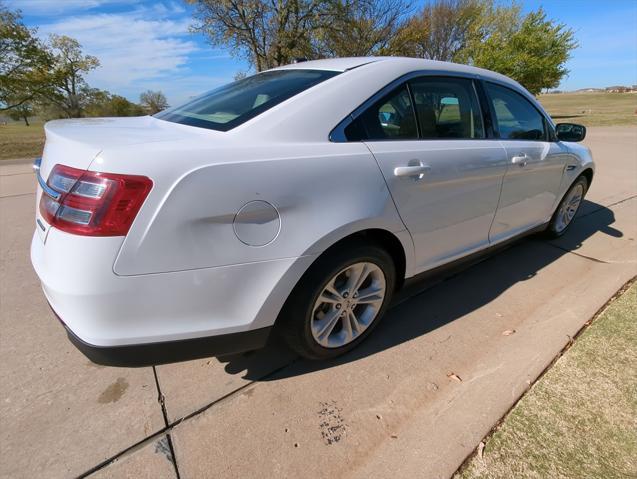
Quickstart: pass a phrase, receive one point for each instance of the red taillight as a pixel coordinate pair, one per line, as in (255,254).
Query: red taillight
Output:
(93,203)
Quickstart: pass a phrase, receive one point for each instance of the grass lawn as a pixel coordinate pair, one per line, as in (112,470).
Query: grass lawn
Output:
(20,141)
(592,109)
(579,419)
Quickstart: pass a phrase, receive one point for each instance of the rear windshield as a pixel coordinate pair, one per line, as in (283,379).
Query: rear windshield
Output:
(230,105)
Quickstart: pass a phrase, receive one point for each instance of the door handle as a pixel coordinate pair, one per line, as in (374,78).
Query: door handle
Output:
(520,160)
(414,170)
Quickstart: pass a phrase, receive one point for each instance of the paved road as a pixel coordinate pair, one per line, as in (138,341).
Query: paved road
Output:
(387,409)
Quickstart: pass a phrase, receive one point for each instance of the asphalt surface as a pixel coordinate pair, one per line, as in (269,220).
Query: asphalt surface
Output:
(414,400)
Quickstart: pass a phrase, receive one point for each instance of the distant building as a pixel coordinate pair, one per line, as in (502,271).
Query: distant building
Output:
(621,89)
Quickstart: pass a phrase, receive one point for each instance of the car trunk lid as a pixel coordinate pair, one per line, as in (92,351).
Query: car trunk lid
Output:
(76,142)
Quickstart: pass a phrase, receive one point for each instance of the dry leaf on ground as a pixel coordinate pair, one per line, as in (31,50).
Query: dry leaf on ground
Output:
(481,449)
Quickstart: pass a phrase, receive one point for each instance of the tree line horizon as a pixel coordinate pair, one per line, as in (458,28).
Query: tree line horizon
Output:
(47,77)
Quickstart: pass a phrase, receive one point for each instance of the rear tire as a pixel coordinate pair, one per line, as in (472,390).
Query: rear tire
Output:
(568,208)
(339,301)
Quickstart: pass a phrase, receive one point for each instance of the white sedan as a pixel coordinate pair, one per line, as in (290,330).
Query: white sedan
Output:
(292,202)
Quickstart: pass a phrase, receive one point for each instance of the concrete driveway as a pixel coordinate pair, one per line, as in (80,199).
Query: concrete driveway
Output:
(413,401)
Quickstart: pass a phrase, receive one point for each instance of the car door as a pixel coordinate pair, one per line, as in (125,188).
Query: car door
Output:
(428,138)
(535,164)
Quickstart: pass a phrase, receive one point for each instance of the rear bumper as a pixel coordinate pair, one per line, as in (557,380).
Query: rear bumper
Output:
(151,354)
(158,318)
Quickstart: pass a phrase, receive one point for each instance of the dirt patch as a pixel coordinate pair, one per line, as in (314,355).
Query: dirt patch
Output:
(114,392)
(332,424)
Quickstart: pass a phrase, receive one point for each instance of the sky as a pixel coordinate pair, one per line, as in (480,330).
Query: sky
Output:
(146,45)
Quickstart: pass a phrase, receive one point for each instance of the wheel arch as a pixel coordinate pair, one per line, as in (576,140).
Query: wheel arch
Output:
(588,173)
(398,244)
(386,239)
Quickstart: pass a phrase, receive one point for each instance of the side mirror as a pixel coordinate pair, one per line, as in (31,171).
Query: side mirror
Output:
(570,132)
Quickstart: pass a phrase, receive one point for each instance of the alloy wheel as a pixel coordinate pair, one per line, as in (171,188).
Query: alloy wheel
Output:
(569,207)
(348,304)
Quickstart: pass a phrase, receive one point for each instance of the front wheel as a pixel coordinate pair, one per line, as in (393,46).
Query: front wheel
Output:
(339,301)
(568,207)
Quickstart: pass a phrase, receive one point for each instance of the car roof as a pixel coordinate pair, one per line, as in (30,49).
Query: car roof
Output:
(349,63)
(332,64)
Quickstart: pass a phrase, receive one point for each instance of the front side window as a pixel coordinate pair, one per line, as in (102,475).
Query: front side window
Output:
(516,118)
(447,108)
(390,118)
(230,105)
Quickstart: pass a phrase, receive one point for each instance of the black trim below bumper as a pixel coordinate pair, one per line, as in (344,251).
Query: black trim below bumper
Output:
(150,354)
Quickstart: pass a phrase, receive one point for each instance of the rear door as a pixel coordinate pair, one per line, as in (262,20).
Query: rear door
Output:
(535,164)
(429,140)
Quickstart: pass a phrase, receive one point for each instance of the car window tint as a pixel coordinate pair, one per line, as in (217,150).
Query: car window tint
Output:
(516,118)
(447,108)
(229,106)
(391,118)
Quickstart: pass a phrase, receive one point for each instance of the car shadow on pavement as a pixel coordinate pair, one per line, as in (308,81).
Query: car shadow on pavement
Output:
(425,305)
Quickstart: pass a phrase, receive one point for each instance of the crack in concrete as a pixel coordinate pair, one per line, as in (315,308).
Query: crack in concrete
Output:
(16,196)
(165,432)
(138,445)
(578,254)
(162,401)
(601,207)
(17,174)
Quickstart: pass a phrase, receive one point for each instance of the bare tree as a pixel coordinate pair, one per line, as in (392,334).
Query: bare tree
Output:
(361,27)
(153,101)
(266,33)
(269,33)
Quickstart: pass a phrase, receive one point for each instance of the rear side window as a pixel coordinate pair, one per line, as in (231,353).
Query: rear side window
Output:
(441,108)
(390,118)
(447,108)
(230,105)
(516,118)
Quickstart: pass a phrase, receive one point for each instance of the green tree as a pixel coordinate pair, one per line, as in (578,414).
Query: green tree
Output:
(120,106)
(534,54)
(103,103)
(528,48)
(97,103)
(22,112)
(153,101)
(25,62)
(441,30)
(69,91)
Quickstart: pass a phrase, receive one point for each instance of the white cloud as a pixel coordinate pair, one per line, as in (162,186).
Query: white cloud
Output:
(140,45)
(135,48)
(56,7)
